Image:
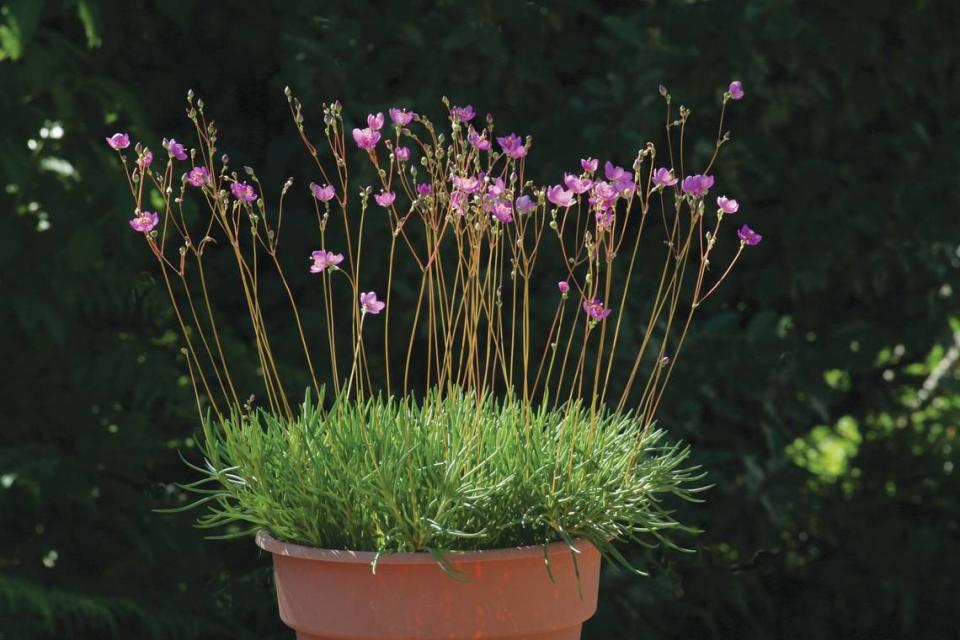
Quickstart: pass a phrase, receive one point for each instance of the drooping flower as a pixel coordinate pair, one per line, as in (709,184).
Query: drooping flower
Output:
(366,138)
(664,177)
(424,188)
(375,122)
(463,114)
(560,197)
(697,185)
(525,205)
(323,259)
(736,90)
(144,222)
(595,309)
(243,191)
(576,183)
(385,198)
(324,193)
(748,236)
(478,140)
(145,160)
(466,185)
(502,211)
(589,164)
(403,153)
(512,145)
(175,149)
(564,287)
(198,176)
(401,117)
(728,205)
(615,173)
(370,304)
(119,141)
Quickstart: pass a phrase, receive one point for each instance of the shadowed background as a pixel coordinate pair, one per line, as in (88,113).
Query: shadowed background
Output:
(820,388)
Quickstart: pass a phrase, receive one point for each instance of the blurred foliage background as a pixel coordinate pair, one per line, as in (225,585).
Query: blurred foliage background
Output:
(820,388)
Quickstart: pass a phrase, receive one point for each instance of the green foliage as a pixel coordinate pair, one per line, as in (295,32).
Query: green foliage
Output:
(847,145)
(451,472)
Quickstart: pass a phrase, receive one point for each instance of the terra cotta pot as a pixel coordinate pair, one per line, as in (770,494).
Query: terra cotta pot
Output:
(326,595)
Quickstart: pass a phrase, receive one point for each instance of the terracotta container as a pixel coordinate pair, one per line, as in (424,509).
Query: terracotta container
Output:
(327,595)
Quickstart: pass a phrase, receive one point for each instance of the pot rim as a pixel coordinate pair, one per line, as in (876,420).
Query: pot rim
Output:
(289,549)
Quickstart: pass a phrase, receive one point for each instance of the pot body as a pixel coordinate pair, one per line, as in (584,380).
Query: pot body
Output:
(507,593)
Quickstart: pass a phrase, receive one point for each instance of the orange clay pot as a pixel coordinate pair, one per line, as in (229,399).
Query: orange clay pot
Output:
(327,595)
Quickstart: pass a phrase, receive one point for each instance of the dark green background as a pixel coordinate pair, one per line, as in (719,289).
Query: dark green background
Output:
(835,510)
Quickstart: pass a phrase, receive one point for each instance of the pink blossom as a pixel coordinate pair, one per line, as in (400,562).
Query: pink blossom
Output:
(748,236)
(697,185)
(458,201)
(564,287)
(736,90)
(366,138)
(324,193)
(576,183)
(403,153)
(385,198)
(466,185)
(198,176)
(119,141)
(525,205)
(589,164)
(595,309)
(370,304)
(175,149)
(664,177)
(424,188)
(375,122)
(243,191)
(605,217)
(401,117)
(512,145)
(497,188)
(615,173)
(463,114)
(502,211)
(728,205)
(323,259)
(145,221)
(560,197)
(145,160)
(478,140)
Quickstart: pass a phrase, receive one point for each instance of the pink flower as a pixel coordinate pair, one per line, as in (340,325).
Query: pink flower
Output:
(697,185)
(576,183)
(502,211)
(615,173)
(589,164)
(564,287)
(366,138)
(375,122)
(512,145)
(370,304)
(324,193)
(478,140)
(497,188)
(748,236)
(736,90)
(385,198)
(243,191)
(466,185)
(175,149)
(144,222)
(605,217)
(559,196)
(198,176)
(463,114)
(728,205)
(403,153)
(119,141)
(458,201)
(595,309)
(424,188)
(323,259)
(145,160)
(401,117)
(525,205)
(664,177)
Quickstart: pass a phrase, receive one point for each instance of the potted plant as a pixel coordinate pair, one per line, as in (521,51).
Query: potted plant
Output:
(474,437)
